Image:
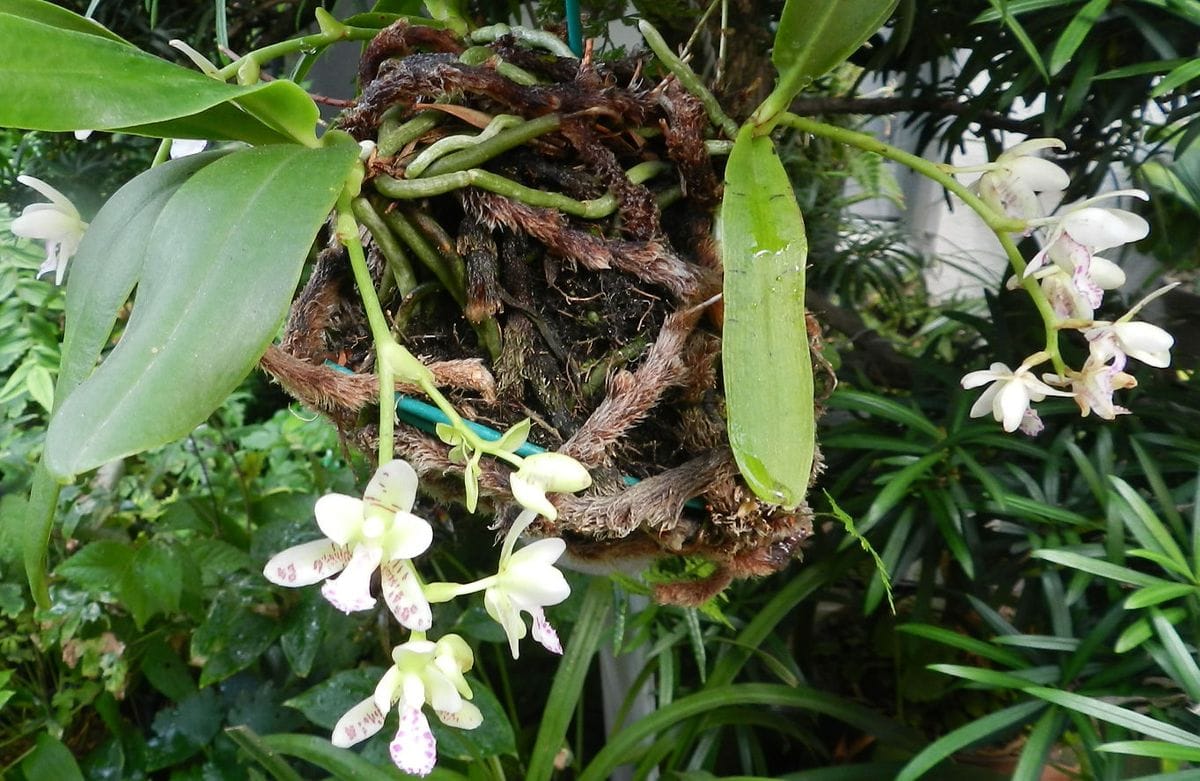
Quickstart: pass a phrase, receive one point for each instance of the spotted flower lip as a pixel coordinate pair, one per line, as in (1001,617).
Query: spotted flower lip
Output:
(1009,393)
(423,672)
(377,531)
(57,223)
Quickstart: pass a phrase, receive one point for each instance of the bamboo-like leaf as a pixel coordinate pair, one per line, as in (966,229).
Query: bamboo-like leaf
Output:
(1141,630)
(227,251)
(60,79)
(1072,38)
(1153,748)
(1145,525)
(965,643)
(1181,657)
(966,735)
(765,353)
(1115,714)
(1097,567)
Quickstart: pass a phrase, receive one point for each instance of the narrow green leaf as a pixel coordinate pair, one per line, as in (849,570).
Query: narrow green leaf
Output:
(1069,42)
(227,253)
(252,744)
(880,407)
(1042,737)
(620,746)
(964,643)
(569,678)
(1005,13)
(993,679)
(1141,630)
(1151,532)
(896,486)
(966,735)
(1168,564)
(1115,714)
(1152,748)
(1156,595)
(100,84)
(1040,642)
(765,353)
(1188,672)
(1178,76)
(1097,567)
(340,762)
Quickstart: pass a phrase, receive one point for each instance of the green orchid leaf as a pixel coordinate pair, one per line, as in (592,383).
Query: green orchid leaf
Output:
(56,16)
(223,261)
(516,436)
(101,84)
(815,35)
(764,354)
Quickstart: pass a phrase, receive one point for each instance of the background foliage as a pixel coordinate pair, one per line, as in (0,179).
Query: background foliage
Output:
(1047,591)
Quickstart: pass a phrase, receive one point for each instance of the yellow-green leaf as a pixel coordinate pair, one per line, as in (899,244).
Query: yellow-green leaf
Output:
(765,354)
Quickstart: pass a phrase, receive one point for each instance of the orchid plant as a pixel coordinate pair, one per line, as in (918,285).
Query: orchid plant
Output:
(269,184)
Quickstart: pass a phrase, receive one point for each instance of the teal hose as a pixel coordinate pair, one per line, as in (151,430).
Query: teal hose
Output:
(574,28)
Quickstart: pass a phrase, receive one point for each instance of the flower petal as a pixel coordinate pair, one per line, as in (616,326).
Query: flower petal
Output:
(544,633)
(386,690)
(408,537)
(46,224)
(531,496)
(351,591)
(544,551)
(1039,174)
(304,565)
(1145,342)
(360,722)
(414,750)
(535,587)
(340,517)
(1010,404)
(503,612)
(55,197)
(1106,274)
(983,405)
(393,487)
(1100,228)
(466,717)
(404,597)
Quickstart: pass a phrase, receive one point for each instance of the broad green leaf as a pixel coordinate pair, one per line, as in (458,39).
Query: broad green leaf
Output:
(765,353)
(226,254)
(60,79)
(233,635)
(326,702)
(56,16)
(815,35)
(490,739)
(50,758)
(134,577)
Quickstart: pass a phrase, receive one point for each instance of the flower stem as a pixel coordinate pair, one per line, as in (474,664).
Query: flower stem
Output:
(1000,224)
(293,45)
(347,233)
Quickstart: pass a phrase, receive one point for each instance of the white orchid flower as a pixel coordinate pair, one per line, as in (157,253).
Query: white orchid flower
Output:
(1063,292)
(423,672)
(527,581)
(1010,393)
(544,472)
(378,531)
(1093,387)
(1011,183)
(186,147)
(1144,342)
(1074,236)
(57,223)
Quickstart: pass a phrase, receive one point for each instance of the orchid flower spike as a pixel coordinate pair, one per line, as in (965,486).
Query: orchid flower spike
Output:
(545,472)
(378,531)
(527,581)
(1010,393)
(423,672)
(1011,183)
(57,223)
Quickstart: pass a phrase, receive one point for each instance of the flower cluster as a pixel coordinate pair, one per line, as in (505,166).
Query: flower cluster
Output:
(380,533)
(1071,278)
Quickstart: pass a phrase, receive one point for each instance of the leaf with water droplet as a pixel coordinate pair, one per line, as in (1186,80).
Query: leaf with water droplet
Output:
(764,354)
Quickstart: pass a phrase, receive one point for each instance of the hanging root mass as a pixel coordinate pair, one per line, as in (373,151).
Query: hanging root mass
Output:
(539,229)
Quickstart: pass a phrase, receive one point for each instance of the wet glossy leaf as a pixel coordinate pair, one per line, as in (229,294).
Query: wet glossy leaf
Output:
(491,738)
(101,84)
(815,35)
(224,258)
(233,636)
(326,702)
(56,16)
(765,354)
